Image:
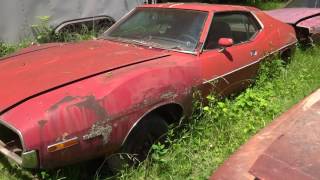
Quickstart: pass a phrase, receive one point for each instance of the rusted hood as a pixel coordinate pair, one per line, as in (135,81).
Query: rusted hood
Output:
(293,15)
(33,72)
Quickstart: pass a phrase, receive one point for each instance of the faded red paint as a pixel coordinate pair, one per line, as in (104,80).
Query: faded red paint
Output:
(98,90)
(293,15)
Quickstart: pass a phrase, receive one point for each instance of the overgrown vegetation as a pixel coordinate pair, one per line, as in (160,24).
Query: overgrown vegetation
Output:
(44,33)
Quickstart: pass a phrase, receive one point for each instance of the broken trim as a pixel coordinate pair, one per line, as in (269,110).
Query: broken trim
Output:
(27,160)
(11,155)
(4,123)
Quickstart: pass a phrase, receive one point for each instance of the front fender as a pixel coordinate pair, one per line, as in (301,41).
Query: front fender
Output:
(101,111)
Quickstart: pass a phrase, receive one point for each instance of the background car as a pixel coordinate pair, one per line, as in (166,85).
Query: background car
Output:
(304,16)
(63,103)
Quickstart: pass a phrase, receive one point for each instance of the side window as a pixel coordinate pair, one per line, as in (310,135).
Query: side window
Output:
(240,26)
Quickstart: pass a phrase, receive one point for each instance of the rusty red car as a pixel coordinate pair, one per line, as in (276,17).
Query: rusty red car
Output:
(62,103)
(304,16)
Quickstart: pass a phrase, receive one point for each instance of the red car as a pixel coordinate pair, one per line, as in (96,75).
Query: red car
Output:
(304,16)
(62,103)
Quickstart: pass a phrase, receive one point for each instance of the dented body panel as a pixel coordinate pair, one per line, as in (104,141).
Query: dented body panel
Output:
(90,95)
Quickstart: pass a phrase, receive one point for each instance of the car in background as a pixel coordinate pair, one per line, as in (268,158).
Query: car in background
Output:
(62,103)
(304,16)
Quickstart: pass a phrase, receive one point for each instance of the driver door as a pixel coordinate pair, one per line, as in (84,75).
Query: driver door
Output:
(228,70)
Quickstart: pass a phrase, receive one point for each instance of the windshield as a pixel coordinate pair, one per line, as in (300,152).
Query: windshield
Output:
(304,3)
(161,28)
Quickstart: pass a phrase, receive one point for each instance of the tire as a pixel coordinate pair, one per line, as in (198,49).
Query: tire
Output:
(150,130)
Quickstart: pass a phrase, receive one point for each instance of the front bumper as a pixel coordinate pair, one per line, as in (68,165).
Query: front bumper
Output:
(27,160)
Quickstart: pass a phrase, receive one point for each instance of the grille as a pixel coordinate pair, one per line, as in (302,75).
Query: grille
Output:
(11,140)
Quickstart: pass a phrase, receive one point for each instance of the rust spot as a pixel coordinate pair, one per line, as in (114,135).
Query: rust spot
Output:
(62,101)
(108,74)
(99,129)
(91,103)
(168,95)
(42,123)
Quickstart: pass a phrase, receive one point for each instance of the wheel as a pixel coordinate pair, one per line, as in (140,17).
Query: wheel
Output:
(150,130)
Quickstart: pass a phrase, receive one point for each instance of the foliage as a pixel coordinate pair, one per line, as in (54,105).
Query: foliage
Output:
(6,49)
(42,31)
(45,34)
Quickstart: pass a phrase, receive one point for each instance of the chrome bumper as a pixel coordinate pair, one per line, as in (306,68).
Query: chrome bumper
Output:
(27,160)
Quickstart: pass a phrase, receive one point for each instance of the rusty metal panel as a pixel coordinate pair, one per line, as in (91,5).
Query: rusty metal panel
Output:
(295,154)
(288,148)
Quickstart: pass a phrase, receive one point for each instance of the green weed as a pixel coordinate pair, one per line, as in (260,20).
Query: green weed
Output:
(45,34)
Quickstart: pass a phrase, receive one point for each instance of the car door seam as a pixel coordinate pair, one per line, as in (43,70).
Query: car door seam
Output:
(254,62)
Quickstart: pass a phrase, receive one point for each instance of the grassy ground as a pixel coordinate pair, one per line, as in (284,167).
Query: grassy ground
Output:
(268,5)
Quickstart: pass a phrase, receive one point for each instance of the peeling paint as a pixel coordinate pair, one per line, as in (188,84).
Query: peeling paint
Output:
(42,123)
(168,95)
(99,129)
(62,101)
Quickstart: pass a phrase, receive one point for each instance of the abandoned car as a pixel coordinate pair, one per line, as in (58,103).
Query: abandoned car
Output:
(304,16)
(62,103)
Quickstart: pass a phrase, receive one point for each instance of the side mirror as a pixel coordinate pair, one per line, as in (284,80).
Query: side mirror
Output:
(225,42)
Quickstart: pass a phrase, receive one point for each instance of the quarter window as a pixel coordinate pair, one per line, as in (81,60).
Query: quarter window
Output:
(240,26)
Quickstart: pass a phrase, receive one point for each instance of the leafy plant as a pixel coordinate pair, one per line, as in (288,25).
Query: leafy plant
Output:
(45,34)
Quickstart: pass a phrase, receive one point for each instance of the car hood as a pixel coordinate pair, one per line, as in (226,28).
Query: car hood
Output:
(37,70)
(293,15)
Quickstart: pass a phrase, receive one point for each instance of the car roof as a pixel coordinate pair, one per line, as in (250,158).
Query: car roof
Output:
(201,7)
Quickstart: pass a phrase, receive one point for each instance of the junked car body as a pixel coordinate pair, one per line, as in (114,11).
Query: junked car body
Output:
(304,16)
(62,103)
